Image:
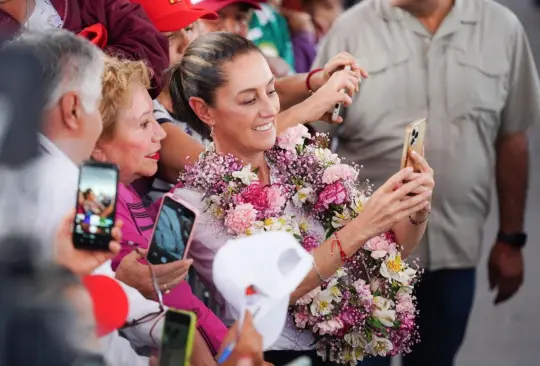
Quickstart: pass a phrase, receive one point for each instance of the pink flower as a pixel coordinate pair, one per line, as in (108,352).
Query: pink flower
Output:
(308,298)
(333,194)
(240,219)
(329,327)
(363,289)
(301,319)
(337,172)
(293,136)
(404,303)
(275,198)
(379,247)
(254,194)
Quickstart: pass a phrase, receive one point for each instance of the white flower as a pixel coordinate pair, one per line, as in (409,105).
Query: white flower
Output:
(327,157)
(322,304)
(383,311)
(380,346)
(334,291)
(302,195)
(393,268)
(341,219)
(355,340)
(246,175)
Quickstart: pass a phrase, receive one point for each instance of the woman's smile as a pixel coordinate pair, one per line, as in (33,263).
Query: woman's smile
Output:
(265,127)
(153,156)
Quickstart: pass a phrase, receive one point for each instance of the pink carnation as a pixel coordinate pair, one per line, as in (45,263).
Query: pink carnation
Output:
(301,319)
(404,303)
(379,247)
(337,172)
(329,327)
(293,136)
(333,194)
(241,218)
(275,197)
(255,194)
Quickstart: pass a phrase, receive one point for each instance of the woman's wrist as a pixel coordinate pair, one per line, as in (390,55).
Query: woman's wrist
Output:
(419,217)
(354,235)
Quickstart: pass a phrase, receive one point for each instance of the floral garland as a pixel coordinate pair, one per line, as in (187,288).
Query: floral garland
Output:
(366,307)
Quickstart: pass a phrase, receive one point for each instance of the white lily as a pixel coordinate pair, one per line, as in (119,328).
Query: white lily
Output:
(246,175)
(380,346)
(394,268)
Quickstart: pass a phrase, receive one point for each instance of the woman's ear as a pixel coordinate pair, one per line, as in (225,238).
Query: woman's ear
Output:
(98,154)
(202,110)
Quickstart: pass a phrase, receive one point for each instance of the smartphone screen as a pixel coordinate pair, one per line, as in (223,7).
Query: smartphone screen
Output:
(171,234)
(96,206)
(176,342)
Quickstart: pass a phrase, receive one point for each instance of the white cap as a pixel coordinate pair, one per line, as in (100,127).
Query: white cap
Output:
(274,263)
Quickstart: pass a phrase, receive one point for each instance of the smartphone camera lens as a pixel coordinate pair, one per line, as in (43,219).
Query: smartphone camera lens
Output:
(414,136)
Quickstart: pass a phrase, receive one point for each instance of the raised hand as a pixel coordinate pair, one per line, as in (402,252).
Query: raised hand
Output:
(136,274)
(80,261)
(393,202)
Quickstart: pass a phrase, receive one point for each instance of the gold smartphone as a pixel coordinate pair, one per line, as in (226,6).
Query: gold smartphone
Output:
(414,140)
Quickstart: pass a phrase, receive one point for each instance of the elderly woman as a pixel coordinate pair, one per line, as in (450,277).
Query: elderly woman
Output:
(226,87)
(131,139)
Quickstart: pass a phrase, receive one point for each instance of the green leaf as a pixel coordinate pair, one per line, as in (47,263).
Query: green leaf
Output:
(256,170)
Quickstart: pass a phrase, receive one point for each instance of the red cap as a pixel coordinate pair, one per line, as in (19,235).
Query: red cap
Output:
(109,301)
(173,15)
(217,5)
(96,34)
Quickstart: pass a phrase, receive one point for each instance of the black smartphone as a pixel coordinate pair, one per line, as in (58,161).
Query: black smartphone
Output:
(177,339)
(173,231)
(96,205)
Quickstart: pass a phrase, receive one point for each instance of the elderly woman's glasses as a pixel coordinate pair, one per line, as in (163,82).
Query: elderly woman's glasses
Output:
(152,316)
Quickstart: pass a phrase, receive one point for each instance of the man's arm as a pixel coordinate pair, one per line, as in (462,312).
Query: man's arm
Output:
(522,109)
(131,34)
(512,175)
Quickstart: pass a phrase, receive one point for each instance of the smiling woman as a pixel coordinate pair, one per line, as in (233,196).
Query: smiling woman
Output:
(131,137)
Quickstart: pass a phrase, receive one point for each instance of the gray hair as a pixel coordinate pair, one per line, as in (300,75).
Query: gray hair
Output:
(70,64)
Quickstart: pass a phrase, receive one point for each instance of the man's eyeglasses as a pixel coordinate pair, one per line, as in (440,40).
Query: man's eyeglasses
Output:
(152,316)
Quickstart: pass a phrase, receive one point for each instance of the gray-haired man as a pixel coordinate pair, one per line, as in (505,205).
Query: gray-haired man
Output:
(466,65)
(70,128)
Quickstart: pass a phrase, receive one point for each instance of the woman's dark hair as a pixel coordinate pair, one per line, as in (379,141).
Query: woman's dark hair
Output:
(200,73)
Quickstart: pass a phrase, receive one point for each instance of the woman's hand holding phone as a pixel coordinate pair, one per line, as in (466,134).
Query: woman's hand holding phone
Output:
(391,203)
(136,274)
(426,183)
(321,104)
(80,261)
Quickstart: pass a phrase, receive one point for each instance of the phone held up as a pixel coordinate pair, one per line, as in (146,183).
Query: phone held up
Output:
(338,108)
(177,340)
(415,134)
(173,231)
(96,206)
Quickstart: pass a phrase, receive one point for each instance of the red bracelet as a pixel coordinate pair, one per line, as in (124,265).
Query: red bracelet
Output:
(308,78)
(341,251)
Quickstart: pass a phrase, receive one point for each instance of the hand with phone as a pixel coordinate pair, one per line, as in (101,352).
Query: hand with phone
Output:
(391,203)
(337,91)
(82,261)
(136,274)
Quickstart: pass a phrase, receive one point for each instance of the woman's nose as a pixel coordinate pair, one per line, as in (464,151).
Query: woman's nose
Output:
(270,107)
(159,133)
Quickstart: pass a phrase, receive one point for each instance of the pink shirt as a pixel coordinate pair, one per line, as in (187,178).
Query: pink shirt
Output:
(138,224)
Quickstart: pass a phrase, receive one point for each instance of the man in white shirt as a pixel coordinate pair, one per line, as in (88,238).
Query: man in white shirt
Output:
(71,127)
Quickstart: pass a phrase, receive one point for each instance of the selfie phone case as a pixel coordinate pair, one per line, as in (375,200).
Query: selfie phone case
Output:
(104,244)
(414,140)
(337,108)
(186,205)
(170,316)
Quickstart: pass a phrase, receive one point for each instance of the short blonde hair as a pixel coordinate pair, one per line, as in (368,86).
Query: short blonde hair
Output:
(118,76)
